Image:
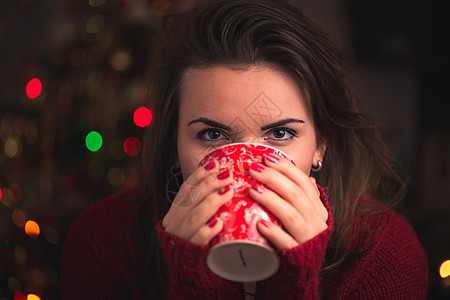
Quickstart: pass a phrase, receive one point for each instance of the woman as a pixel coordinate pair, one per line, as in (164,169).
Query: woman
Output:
(252,71)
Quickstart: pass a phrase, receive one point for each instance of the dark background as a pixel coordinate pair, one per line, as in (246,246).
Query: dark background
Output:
(92,57)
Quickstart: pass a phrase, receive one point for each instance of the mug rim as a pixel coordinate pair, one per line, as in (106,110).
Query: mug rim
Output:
(245,144)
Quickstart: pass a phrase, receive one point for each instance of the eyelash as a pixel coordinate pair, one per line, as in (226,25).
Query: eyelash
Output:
(200,135)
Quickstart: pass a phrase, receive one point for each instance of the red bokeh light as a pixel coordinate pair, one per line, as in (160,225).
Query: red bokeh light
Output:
(132,146)
(142,116)
(34,88)
(19,296)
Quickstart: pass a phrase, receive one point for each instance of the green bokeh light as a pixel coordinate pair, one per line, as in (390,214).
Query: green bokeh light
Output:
(94,141)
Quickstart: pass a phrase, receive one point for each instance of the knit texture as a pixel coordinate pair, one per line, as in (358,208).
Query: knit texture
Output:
(298,277)
(189,275)
(100,263)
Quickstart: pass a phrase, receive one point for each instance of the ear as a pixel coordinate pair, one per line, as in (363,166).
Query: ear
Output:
(321,148)
(176,161)
(176,164)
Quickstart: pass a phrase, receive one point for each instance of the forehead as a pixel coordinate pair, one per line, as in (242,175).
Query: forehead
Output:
(257,90)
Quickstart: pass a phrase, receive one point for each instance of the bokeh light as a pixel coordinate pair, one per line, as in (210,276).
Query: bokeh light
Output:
(121,61)
(19,218)
(19,296)
(33,297)
(96,3)
(12,148)
(132,146)
(7,198)
(142,116)
(95,23)
(21,124)
(32,229)
(116,177)
(444,270)
(17,191)
(34,88)
(14,284)
(1,193)
(94,141)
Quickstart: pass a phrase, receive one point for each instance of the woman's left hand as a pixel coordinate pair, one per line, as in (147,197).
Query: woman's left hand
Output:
(293,198)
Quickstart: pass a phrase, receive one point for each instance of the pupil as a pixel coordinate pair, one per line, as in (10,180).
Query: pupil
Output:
(279,133)
(213,134)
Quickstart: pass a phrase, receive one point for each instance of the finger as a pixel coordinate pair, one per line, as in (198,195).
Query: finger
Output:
(294,222)
(289,170)
(206,233)
(276,235)
(190,190)
(320,208)
(286,189)
(200,214)
(196,188)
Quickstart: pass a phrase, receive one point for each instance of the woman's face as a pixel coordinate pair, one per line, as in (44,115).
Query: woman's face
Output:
(220,106)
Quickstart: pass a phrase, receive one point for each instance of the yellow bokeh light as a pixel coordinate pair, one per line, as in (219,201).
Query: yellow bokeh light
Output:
(116,177)
(33,297)
(12,148)
(444,270)
(32,229)
(121,61)
(95,23)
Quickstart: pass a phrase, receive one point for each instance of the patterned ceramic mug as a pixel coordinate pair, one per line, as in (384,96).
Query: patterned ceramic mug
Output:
(239,252)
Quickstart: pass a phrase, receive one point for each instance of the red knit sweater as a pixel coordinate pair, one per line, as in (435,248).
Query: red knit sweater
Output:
(98,262)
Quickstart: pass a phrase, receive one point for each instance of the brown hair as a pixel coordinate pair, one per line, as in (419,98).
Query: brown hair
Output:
(246,33)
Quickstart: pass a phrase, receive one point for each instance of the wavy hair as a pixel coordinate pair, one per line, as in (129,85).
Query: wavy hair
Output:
(240,34)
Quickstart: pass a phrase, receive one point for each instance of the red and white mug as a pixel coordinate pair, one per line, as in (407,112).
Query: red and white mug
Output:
(239,252)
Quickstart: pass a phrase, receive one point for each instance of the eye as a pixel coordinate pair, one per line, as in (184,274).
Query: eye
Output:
(211,135)
(281,134)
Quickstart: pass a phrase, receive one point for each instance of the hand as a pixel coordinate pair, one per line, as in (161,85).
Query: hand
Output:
(198,199)
(293,198)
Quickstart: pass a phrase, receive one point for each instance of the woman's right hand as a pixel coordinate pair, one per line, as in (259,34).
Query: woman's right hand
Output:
(198,199)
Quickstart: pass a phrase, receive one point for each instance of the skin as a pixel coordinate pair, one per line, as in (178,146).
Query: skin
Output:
(232,98)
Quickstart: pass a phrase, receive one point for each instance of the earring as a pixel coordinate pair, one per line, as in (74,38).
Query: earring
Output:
(175,171)
(318,167)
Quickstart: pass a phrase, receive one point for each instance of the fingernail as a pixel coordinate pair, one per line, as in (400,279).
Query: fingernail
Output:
(256,167)
(264,223)
(272,159)
(210,166)
(224,190)
(214,222)
(257,188)
(224,175)
(313,180)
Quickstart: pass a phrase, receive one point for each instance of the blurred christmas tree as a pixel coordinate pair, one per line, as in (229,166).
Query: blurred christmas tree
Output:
(71,123)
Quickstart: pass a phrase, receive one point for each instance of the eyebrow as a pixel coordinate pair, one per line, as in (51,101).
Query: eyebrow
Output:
(227,128)
(281,123)
(210,123)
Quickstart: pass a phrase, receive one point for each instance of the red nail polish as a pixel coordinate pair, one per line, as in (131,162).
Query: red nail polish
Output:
(256,167)
(224,175)
(210,166)
(257,188)
(214,222)
(224,190)
(272,159)
(265,223)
